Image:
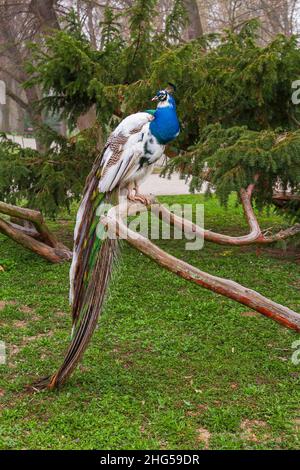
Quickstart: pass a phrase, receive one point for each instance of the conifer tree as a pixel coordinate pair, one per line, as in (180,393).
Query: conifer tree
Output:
(233,95)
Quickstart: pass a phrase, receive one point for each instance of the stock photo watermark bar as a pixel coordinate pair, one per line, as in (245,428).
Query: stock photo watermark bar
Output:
(175,221)
(296,93)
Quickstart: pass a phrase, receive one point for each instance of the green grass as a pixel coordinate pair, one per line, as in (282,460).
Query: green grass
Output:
(171,366)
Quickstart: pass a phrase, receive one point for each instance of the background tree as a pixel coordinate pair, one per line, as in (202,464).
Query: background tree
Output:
(19,22)
(195,28)
(276,16)
(79,82)
(234,101)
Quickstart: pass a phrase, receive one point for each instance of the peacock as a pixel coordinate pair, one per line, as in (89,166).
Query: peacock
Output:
(127,159)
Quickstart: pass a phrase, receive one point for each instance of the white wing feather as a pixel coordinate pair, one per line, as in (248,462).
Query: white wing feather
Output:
(114,173)
(131,122)
(128,133)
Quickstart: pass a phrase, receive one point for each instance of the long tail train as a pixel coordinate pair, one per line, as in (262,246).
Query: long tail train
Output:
(92,265)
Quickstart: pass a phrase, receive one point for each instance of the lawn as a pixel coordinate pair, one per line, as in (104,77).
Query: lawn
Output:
(171,366)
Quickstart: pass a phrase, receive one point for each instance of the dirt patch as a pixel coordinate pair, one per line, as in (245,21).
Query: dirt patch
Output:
(296,284)
(64,222)
(61,314)
(296,423)
(15,349)
(201,408)
(4,303)
(126,357)
(39,336)
(264,380)
(20,323)
(250,314)
(234,386)
(128,364)
(203,436)
(26,309)
(290,254)
(251,428)
(22,308)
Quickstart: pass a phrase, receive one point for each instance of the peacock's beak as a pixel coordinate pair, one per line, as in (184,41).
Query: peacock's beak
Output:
(155,98)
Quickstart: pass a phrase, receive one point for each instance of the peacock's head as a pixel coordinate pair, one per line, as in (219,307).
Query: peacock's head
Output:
(164,97)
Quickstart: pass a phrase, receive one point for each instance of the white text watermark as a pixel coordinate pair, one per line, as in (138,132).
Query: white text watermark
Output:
(175,221)
(296,93)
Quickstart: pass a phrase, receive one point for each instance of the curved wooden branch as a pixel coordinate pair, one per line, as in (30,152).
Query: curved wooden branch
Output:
(255,236)
(28,230)
(285,196)
(47,246)
(55,255)
(228,288)
(282,235)
(33,216)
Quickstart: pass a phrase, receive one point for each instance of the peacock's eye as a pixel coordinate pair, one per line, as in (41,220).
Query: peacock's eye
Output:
(162,95)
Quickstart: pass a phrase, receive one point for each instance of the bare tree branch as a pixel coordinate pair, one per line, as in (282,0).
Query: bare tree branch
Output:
(17,99)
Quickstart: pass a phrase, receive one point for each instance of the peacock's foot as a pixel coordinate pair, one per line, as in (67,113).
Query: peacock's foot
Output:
(137,197)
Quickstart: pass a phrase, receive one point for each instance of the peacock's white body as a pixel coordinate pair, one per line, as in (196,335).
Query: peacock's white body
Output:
(130,153)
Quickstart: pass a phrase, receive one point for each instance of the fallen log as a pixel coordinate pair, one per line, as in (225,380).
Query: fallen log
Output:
(38,238)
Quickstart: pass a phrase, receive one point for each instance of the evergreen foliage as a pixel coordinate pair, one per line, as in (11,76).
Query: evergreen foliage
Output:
(74,26)
(111,28)
(232,158)
(176,22)
(50,179)
(233,97)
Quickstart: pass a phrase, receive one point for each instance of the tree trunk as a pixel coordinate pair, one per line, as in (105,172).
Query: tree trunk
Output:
(88,119)
(90,8)
(45,13)
(195,29)
(45,19)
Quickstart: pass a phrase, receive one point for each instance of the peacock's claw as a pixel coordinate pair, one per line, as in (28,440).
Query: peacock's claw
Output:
(136,197)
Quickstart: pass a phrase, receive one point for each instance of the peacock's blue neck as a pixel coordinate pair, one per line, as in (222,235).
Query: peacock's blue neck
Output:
(165,127)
